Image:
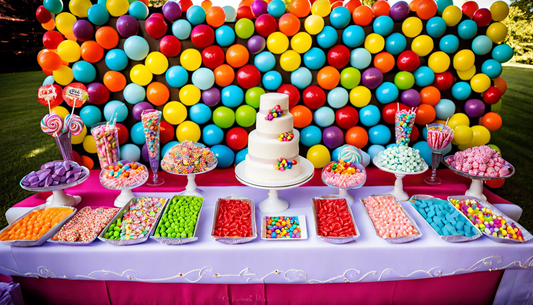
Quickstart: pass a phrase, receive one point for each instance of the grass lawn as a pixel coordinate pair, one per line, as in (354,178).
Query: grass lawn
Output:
(26,147)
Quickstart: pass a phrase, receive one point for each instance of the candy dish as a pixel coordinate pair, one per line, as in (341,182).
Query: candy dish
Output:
(235,240)
(125,185)
(301,222)
(449,238)
(332,239)
(439,136)
(343,190)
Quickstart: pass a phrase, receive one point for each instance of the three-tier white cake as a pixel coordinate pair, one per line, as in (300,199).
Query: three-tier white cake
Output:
(274,142)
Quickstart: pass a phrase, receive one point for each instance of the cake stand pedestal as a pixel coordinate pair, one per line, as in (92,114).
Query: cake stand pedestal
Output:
(274,204)
(191,187)
(343,191)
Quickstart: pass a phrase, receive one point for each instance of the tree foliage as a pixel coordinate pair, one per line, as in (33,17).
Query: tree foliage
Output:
(520,30)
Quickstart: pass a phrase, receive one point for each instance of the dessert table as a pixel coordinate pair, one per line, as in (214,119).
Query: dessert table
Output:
(205,271)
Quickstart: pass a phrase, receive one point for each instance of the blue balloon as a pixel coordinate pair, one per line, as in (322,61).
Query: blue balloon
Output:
(314,59)
(137,134)
(353,36)
(119,107)
(379,134)
(373,150)
(83,71)
(502,53)
(492,68)
(340,17)
(360,58)
(98,14)
(90,115)
(182,29)
(436,27)
(369,115)
(395,43)
(424,76)
(138,10)
(391,145)
(442,4)
(225,36)
(335,155)
(176,76)
(136,48)
(200,113)
(338,97)
(387,93)
(134,93)
(277,8)
(168,147)
(241,155)
(116,60)
(196,15)
(301,78)
(272,80)
(53,6)
(481,45)
(425,151)
(324,116)
(130,152)
(102,2)
(265,61)
(383,25)
(203,78)
(449,44)
(425,133)
(310,135)
(232,96)
(461,90)
(212,134)
(467,29)
(231,14)
(224,154)
(327,37)
(49,80)
(445,108)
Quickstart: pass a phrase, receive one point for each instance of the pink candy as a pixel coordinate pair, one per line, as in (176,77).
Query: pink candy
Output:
(481,161)
(388,218)
(344,181)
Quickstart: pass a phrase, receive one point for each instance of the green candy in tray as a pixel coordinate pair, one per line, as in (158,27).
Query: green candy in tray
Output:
(180,217)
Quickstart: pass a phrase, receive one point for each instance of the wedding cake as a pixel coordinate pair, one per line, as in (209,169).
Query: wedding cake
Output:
(273,145)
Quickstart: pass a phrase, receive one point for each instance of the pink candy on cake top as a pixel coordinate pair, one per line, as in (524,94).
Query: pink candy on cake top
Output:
(481,161)
(388,218)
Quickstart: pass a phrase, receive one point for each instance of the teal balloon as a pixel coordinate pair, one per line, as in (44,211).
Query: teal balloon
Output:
(272,80)
(353,36)
(445,108)
(277,8)
(327,37)
(338,97)
(335,155)
(383,25)
(83,71)
(136,48)
(231,13)
(116,60)
(379,134)
(103,2)
(53,6)
(492,68)
(224,154)
(119,107)
(340,17)
(369,115)
(425,133)
(182,29)
(442,4)
(225,36)
(241,156)
(373,150)
(310,135)
(301,78)
(395,43)
(314,59)
(200,113)
(203,78)
(324,116)
(360,58)
(436,27)
(134,93)
(98,14)
(461,90)
(424,76)
(467,29)
(424,150)
(138,10)
(481,45)
(196,15)
(90,115)
(502,53)
(387,93)
(137,133)
(177,76)
(449,44)
(168,147)
(212,135)
(130,152)
(265,61)
(232,96)
(49,80)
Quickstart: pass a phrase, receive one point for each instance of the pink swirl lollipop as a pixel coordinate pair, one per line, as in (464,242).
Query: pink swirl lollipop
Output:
(74,124)
(52,124)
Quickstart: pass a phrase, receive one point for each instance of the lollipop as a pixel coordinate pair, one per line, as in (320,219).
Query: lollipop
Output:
(75,94)
(49,95)
(52,124)
(439,136)
(349,153)
(74,124)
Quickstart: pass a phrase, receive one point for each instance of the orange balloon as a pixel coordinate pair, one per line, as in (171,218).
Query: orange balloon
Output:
(300,8)
(336,4)
(70,36)
(237,56)
(430,95)
(87,162)
(107,37)
(413,5)
(289,24)
(363,15)
(206,4)
(224,75)
(157,93)
(381,8)
(501,84)
(215,16)
(245,3)
(49,61)
(91,51)
(357,136)
(50,25)
(114,81)
(47,72)
(426,9)
(352,5)
(384,61)
(302,116)
(492,121)
(65,63)
(328,77)
(425,114)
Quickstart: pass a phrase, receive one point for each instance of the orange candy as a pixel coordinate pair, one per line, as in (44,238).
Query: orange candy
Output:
(114,81)
(289,24)
(352,5)
(91,51)
(328,77)
(157,93)
(384,61)
(302,116)
(492,121)
(215,16)
(363,15)
(34,225)
(224,75)
(237,56)
(300,8)
(107,37)
(381,8)
(357,136)
(430,95)
(425,114)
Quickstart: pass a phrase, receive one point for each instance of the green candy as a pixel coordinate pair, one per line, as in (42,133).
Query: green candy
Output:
(180,217)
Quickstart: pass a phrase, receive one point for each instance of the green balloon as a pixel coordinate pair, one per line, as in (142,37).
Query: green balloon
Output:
(350,78)
(244,28)
(496,148)
(223,117)
(253,95)
(404,80)
(496,107)
(245,116)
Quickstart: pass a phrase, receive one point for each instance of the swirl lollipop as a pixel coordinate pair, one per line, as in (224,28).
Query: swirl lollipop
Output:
(52,124)
(74,124)
(75,95)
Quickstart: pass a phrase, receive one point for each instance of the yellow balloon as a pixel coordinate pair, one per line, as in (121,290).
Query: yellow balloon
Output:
(321,8)
(290,61)
(452,15)
(141,75)
(497,32)
(301,42)
(412,27)
(79,7)
(480,83)
(191,59)
(318,155)
(61,111)
(462,134)
(360,96)
(156,62)
(374,43)
(481,135)
(63,75)
(314,24)
(64,22)
(499,10)
(69,51)
(188,130)
(277,42)
(439,62)
(80,137)
(190,95)
(458,119)
(464,146)
(174,112)
(467,75)
(422,45)
(464,60)
(89,145)
(117,8)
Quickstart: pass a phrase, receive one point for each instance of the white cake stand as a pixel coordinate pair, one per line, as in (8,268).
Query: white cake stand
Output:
(191,187)
(274,204)
(397,191)
(343,191)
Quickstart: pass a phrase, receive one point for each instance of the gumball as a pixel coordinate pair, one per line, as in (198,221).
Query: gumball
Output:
(481,135)
(188,130)
(444,109)
(436,27)
(137,134)
(373,150)
(314,24)
(98,14)
(408,61)
(276,8)
(203,78)
(362,15)
(491,68)
(449,44)
(244,12)
(300,8)
(302,116)
(482,17)
(169,146)
(290,61)
(369,115)
(346,117)
(134,93)
(53,6)
(191,59)
(328,77)
(136,48)
(474,108)
(289,24)
(360,58)
(412,27)
(200,113)
(181,29)
(310,135)
(389,111)
(60,111)
(302,78)
(315,58)
(381,8)
(265,24)
(224,75)
(351,5)
(492,95)
(338,56)
(410,97)
(400,10)
(155,27)
(225,35)
(338,97)
(379,134)
(422,45)
(139,108)
(272,80)
(415,134)
(360,96)
(277,42)
(439,62)
(65,22)
(256,44)
(212,56)
(497,32)
(372,78)
(425,114)
(461,90)
(495,183)
(241,156)
(469,8)
(127,26)
(500,84)
(245,116)
(157,93)
(321,8)
(98,93)
(384,62)
(480,83)
(301,42)
(467,29)
(63,75)
(314,97)
(68,51)
(353,36)
(356,136)
(115,108)
(117,8)
(462,134)
(403,80)
(190,95)
(206,5)
(492,121)
(430,95)
(202,36)
(395,43)
(196,15)
(248,76)
(172,11)
(426,9)
(259,7)
(333,137)
(443,81)
(383,25)
(318,155)
(114,81)
(291,91)
(458,119)
(340,17)
(387,93)
(211,96)
(374,43)
(156,62)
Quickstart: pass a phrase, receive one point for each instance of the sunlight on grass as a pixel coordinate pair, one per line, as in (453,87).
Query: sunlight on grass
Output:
(38,151)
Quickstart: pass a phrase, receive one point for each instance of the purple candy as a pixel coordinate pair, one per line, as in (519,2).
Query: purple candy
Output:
(400,10)
(25,182)
(60,172)
(63,179)
(43,176)
(32,174)
(41,184)
(256,44)
(372,78)
(76,176)
(48,181)
(66,165)
(48,165)
(55,183)
(76,170)
(33,179)
(333,136)
(411,97)
(211,96)
(70,180)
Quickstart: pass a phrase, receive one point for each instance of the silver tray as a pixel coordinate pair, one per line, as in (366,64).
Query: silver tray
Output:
(332,239)
(397,240)
(301,221)
(525,233)
(178,241)
(235,240)
(448,238)
(129,242)
(31,243)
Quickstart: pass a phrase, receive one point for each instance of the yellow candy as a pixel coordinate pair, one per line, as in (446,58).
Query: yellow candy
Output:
(504,232)
(503,221)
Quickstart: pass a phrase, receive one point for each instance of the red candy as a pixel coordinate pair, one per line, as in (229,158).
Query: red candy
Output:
(248,76)
(338,56)
(333,218)
(213,56)
(314,97)
(234,219)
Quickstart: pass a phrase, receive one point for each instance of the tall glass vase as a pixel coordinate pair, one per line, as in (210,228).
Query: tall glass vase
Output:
(436,157)
(151,120)
(64,145)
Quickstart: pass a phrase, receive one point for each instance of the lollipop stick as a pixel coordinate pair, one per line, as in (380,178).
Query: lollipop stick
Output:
(446,124)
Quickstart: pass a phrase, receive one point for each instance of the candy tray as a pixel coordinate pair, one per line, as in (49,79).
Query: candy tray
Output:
(332,239)
(235,240)
(301,221)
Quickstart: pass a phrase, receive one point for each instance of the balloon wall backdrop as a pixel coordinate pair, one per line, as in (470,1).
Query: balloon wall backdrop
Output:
(347,70)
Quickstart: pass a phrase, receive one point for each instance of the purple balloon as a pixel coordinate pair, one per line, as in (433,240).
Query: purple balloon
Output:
(256,44)
(400,10)
(410,97)
(172,11)
(372,78)
(259,7)
(211,96)
(474,108)
(138,109)
(83,30)
(144,153)
(333,137)
(98,93)
(127,26)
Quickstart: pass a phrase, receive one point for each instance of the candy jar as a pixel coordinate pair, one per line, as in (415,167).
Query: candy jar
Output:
(151,120)
(123,176)
(438,137)
(344,176)
(107,147)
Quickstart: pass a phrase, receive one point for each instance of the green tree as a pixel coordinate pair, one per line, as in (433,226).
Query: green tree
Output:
(520,30)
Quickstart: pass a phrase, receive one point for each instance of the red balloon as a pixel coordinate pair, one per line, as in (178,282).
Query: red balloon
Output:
(245,12)
(213,56)
(469,8)
(42,14)
(265,25)
(237,138)
(156,26)
(170,46)
(166,132)
(292,92)
(482,17)
(51,39)
(346,117)
(248,76)
(98,93)
(158,15)
(492,95)
(123,133)
(495,183)
(314,97)
(443,81)
(408,61)
(76,157)
(414,134)
(50,94)
(338,56)
(185,5)
(202,36)
(47,72)
(389,111)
